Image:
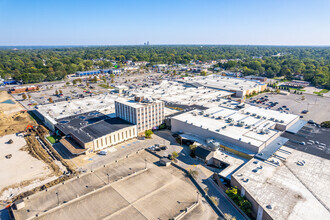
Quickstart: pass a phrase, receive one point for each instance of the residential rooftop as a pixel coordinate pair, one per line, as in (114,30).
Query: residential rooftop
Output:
(295,187)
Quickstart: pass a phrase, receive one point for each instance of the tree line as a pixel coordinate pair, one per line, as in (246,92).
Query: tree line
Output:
(49,64)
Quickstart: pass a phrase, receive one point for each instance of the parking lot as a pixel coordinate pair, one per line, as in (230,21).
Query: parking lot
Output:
(318,107)
(152,193)
(93,160)
(310,139)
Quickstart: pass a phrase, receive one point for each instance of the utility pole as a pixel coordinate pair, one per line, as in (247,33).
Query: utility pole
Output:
(197,196)
(108,178)
(58,200)
(145,163)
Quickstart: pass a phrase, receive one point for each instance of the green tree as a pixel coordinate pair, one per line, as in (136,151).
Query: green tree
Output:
(203,73)
(94,80)
(192,150)
(193,173)
(24,96)
(325,124)
(148,133)
(174,155)
(50,100)
(56,92)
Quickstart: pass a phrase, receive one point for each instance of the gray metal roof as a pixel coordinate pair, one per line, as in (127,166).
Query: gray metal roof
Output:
(90,125)
(268,151)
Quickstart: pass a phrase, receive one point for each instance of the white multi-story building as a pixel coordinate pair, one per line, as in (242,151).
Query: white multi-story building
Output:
(146,115)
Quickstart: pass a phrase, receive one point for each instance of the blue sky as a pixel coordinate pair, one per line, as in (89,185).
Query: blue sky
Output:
(131,22)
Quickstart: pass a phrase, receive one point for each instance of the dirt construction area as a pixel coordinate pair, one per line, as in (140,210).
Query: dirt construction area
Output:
(13,118)
(21,169)
(121,190)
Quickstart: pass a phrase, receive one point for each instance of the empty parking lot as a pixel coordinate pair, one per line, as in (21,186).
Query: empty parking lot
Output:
(152,193)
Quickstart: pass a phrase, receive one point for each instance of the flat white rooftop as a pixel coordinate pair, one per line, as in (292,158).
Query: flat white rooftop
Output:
(224,82)
(177,93)
(134,104)
(234,162)
(293,191)
(252,125)
(101,103)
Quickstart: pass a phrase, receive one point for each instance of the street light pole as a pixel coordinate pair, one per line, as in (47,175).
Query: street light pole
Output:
(108,178)
(145,163)
(197,196)
(58,200)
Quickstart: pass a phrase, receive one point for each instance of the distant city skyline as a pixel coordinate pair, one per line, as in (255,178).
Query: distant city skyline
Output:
(194,22)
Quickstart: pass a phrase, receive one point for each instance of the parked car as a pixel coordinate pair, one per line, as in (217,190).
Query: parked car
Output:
(163,147)
(103,152)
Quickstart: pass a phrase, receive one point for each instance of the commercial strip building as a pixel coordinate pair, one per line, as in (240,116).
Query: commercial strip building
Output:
(97,72)
(297,84)
(259,78)
(145,114)
(240,87)
(21,89)
(240,128)
(289,185)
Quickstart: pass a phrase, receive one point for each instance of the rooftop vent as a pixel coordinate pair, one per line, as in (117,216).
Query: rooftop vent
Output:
(245,180)
(269,207)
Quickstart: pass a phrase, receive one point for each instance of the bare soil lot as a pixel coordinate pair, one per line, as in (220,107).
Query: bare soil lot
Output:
(12,118)
(8,108)
(21,169)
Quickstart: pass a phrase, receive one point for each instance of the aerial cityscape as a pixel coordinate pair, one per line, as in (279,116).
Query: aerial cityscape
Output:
(164,110)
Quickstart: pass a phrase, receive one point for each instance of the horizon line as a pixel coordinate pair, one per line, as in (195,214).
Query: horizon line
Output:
(113,45)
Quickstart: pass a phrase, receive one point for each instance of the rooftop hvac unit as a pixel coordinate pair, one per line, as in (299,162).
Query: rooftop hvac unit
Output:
(245,180)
